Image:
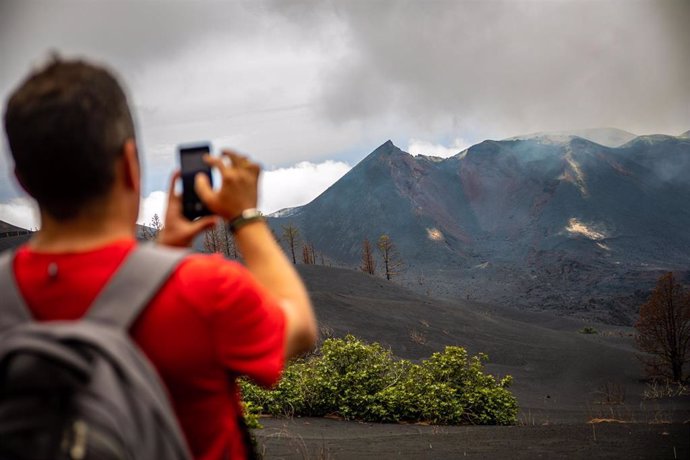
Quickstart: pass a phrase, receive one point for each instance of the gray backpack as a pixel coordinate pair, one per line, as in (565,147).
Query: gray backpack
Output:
(82,389)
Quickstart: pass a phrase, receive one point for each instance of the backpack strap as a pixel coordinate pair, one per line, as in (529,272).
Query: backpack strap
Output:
(134,284)
(14,309)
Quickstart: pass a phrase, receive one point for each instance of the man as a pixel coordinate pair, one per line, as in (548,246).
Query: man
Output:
(73,143)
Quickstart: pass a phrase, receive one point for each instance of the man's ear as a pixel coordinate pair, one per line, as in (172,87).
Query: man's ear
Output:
(132,173)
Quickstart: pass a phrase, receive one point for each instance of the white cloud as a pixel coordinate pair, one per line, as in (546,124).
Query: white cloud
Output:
(298,184)
(155,203)
(420,147)
(279,188)
(21,212)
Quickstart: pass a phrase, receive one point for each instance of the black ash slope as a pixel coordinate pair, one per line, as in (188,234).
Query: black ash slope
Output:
(560,374)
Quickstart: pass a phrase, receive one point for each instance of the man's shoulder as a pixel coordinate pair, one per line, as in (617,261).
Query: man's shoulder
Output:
(208,266)
(210,275)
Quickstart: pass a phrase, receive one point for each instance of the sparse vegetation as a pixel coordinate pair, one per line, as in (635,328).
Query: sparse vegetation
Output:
(356,380)
(291,237)
(218,239)
(588,330)
(611,393)
(417,337)
(325,332)
(212,242)
(392,264)
(308,254)
(153,228)
(368,262)
(229,246)
(666,389)
(663,330)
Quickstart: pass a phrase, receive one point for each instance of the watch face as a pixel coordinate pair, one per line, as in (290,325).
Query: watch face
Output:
(247,216)
(249,213)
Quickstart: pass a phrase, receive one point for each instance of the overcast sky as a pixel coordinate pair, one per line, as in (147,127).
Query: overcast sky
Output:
(310,88)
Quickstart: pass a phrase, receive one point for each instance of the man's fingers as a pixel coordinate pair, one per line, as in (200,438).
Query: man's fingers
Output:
(202,224)
(214,162)
(203,189)
(241,161)
(237,160)
(255,168)
(230,154)
(172,196)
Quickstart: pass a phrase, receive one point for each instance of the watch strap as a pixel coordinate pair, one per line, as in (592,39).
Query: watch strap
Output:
(247,216)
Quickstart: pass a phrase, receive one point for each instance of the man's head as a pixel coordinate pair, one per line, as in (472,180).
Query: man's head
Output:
(67,125)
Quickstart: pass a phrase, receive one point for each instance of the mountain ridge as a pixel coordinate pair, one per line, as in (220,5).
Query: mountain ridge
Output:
(572,226)
(608,137)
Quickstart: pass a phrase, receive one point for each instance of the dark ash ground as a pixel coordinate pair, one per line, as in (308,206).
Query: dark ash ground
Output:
(564,380)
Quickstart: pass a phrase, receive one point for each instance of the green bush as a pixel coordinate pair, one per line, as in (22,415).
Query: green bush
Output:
(251,414)
(361,381)
(588,330)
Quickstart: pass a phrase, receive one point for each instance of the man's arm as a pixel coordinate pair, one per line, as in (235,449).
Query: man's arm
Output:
(267,261)
(262,255)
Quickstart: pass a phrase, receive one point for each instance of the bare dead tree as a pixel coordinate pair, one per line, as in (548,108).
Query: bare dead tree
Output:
(213,240)
(368,261)
(663,330)
(291,237)
(219,239)
(153,228)
(392,263)
(229,247)
(308,254)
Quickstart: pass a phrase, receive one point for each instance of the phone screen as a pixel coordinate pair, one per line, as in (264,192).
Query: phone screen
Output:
(192,163)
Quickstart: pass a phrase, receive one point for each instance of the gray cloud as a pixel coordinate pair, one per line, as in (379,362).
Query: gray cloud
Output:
(509,67)
(129,32)
(313,80)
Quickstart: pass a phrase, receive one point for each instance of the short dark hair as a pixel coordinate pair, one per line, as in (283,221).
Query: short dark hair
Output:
(66,125)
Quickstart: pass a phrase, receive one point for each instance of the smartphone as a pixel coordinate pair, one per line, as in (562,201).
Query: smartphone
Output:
(191,164)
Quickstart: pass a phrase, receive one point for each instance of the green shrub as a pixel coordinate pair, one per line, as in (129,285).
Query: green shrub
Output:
(588,330)
(356,380)
(251,414)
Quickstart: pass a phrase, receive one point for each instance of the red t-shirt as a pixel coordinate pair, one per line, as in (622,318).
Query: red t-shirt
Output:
(210,322)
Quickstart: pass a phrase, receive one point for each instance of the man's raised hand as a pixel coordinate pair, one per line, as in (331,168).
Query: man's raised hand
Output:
(239,185)
(177,229)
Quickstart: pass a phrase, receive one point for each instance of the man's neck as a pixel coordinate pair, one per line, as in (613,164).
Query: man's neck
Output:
(81,234)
